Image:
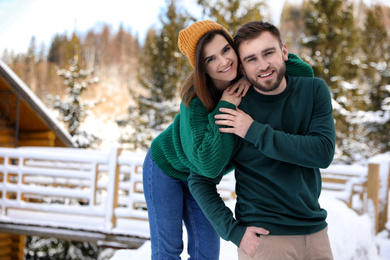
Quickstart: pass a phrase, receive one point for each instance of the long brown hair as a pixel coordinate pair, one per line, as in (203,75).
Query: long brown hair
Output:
(199,84)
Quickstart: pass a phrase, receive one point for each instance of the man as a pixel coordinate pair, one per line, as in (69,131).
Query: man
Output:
(285,133)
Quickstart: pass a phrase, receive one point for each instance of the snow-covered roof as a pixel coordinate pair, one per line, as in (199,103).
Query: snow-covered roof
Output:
(31,100)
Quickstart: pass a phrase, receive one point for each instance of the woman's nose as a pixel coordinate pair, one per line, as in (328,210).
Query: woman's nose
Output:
(224,60)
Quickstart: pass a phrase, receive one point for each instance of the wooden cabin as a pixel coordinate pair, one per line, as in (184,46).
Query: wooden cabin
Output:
(24,119)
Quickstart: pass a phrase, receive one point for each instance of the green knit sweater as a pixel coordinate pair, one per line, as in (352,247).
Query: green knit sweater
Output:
(193,141)
(277,163)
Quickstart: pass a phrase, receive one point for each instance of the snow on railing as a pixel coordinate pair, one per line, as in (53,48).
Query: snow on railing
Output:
(102,191)
(344,180)
(363,188)
(78,188)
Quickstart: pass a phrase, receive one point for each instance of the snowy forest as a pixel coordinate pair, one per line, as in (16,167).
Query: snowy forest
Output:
(108,75)
(131,85)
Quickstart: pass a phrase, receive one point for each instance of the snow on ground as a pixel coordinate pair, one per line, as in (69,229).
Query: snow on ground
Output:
(351,236)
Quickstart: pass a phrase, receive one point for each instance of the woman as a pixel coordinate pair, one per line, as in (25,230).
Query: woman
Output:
(193,143)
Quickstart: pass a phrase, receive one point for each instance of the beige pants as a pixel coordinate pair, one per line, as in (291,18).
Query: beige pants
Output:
(306,247)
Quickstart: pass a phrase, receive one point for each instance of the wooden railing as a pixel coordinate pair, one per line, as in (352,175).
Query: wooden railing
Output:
(99,194)
(92,192)
(359,187)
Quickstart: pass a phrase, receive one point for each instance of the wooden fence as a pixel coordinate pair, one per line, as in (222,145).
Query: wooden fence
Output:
(360,188)
(98,195)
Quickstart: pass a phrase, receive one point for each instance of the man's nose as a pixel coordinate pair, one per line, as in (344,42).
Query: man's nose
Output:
(263,64)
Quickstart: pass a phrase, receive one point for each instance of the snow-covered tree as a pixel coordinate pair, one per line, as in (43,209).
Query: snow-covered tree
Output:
(53,248)
(162,70)
(73,110)
(331,46)
(331,37)
(376,74)
(233,13)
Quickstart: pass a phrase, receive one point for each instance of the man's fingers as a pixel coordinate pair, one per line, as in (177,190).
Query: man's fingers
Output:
(228,111)
(224,117)
(224,122)
(260,231)
(227,130)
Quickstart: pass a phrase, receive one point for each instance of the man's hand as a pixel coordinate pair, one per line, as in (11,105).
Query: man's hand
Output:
(250,241)
(237,120)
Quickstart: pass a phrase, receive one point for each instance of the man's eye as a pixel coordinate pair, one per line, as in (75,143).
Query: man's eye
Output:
(268,53)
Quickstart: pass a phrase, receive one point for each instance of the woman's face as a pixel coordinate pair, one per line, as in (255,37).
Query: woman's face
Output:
(220,61)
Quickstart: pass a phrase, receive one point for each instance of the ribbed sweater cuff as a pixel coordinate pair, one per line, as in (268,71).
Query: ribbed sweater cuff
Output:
(224,104)
(237,235)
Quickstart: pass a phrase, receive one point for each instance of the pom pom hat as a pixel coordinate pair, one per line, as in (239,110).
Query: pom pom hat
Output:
(189,37)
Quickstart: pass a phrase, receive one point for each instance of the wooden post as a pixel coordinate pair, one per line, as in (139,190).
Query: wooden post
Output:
(384,204)
(373,191)
(12,246)
(116,187)
(96,170)
(112,188)
(18,245)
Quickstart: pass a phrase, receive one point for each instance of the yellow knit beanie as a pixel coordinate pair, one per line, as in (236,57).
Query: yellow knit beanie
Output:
(189,38)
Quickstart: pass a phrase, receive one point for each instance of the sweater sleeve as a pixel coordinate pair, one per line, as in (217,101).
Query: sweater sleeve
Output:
(297,68)
(314,149)
(207,150)
(205,192)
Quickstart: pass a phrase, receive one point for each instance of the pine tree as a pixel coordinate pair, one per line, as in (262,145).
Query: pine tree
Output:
(74,111)
(31,62)
(376,42)
(291,26)
(375,118)
(331,39)
(162,70)
(7,57)
(233,13)
(56,50)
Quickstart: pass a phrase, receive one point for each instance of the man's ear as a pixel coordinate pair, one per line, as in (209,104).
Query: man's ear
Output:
(285,52)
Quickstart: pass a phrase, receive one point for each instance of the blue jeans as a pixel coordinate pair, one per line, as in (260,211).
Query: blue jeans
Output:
(169,203)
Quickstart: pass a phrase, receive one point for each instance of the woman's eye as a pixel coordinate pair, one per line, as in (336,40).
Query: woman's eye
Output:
(209,60)
(227,49)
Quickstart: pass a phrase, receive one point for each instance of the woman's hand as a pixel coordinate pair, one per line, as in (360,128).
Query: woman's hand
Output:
(235,92)
(226,96)
(240,87)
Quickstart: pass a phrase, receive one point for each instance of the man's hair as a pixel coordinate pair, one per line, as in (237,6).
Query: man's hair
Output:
(252,30)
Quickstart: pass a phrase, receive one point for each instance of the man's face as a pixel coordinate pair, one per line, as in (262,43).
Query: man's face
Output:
(263,61)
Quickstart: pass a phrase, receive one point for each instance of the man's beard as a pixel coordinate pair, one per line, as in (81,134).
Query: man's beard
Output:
(270,87)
